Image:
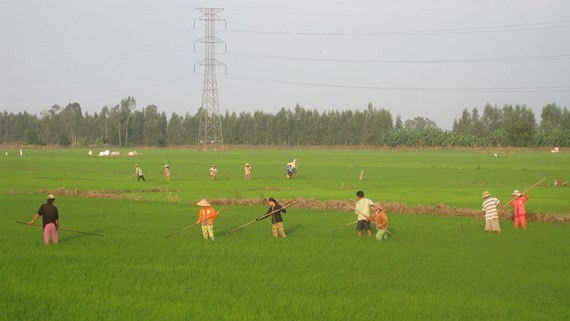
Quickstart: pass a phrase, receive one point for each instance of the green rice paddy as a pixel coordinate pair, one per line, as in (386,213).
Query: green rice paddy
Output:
(440,268)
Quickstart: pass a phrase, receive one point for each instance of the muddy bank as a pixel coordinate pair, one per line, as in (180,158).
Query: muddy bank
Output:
(394,207)
(332,205)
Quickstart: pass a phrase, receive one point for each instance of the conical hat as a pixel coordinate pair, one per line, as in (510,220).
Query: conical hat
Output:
(203,202)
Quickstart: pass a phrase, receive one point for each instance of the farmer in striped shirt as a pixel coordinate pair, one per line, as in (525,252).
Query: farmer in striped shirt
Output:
(490,204)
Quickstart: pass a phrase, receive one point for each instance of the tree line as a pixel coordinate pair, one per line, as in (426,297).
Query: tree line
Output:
(124,125)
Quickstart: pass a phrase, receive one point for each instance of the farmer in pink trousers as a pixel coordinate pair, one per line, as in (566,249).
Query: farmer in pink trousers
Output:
(518,205)
(50,218)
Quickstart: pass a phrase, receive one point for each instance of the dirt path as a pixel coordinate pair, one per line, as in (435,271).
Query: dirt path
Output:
(341,206)
(395,207)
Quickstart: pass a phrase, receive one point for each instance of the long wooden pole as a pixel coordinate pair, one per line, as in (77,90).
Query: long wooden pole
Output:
(195,224)
(528,189)
(344,226)
(259,218)
(473,221)
(242,226)
(370,220)
(61,229)
(503,206)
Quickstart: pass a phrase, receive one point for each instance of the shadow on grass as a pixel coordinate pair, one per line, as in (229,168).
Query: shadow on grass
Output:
(294,229)
(74,235)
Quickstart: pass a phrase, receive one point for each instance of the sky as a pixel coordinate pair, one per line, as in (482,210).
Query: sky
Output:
(415,58)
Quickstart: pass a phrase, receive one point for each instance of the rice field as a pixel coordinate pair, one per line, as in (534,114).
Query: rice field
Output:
(438,268)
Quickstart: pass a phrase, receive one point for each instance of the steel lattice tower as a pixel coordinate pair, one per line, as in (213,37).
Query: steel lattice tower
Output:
(210,122)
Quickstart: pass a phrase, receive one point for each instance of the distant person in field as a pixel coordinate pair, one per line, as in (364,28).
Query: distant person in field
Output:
(490,204)
(167,172)
(276,219)
(381,220)
(50,218)
(362,209)
(213,172)
(139,173)
(292,168)
(206,219)
(247,171)
(518,206)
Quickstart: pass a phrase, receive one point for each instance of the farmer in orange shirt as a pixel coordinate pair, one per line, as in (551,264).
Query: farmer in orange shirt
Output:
(520,211)
(381,220)
(206,218)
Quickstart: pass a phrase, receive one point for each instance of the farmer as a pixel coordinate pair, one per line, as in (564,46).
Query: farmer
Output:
(139,173)
(491,213)
(50,218)
(213,172)
(381,220)
(292,168)
(362,209)
(276,219)
(518,205)
(167,172)
(247,171)
(206,218)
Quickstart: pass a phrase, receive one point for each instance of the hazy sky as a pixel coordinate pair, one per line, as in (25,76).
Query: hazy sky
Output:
(413,57)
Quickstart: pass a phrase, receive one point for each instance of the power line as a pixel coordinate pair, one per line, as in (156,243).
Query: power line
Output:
(66,92)
(535,26)
(147,88)
(470,60)
(410,89)
(38,80)
(428,32)
(135,50)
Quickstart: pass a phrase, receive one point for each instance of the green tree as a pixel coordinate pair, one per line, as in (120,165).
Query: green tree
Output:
(104,123)
(519,124)
(420,123)
(151,134)
(175,130)
(51,124)
(127,107)
(399,124)
(73,122)
(462,125)
(492,119)
(551,118)
(117,125)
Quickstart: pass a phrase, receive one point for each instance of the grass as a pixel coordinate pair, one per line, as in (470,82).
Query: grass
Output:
(403,176)
(438,270)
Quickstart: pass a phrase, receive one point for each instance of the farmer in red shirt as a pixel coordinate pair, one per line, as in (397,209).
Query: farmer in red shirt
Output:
(518,205)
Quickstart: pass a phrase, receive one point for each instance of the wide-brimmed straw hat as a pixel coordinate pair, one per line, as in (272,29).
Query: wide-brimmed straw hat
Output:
(203,202)
(246,164)
(166,165)
(50,197)
(486,194)
(516,193)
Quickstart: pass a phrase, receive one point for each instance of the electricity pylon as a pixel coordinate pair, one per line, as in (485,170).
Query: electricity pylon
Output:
(210,122)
